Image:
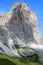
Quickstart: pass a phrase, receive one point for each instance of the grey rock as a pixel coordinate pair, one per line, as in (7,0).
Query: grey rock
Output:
(19,27)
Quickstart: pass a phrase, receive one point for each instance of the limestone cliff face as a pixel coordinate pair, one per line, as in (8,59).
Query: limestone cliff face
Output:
(22,21)
(25,22)
(19,26)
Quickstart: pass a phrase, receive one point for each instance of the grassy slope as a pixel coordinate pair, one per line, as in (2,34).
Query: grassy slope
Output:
(7,60)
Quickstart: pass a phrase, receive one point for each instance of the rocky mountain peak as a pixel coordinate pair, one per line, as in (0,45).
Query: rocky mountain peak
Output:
(21,10)
(23,22)
(19,28)
(20,5)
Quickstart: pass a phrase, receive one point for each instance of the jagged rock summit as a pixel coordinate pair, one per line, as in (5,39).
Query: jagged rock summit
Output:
(19,30)
(22,21)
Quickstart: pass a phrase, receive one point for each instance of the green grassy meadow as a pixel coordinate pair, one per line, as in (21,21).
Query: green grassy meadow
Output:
(7,60)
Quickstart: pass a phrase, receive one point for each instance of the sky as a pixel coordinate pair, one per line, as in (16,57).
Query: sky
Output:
(35,5)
